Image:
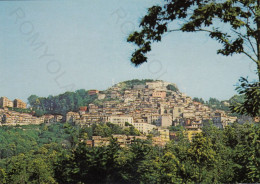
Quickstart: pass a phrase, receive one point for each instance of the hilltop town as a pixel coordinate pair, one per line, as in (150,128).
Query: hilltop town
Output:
(147,105)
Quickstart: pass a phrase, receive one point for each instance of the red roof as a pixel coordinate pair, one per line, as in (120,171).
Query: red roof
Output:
(83,108)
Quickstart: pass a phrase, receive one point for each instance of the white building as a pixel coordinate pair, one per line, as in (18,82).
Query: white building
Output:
(159,85)
(144,127)
(120,120)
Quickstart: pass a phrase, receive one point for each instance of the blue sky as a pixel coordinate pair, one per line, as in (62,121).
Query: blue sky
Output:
(49,47)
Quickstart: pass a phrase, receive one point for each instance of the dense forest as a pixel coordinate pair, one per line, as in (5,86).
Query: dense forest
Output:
(57,153)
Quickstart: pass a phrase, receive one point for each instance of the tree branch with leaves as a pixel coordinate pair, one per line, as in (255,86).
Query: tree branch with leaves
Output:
(235,24)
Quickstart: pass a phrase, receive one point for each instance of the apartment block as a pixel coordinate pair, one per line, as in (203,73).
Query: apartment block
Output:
(5,102)
(19,104)
(159,94)
(120,120)
(144,127)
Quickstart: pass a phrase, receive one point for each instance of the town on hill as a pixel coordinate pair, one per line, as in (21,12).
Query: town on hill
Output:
(138,131)
(147,105)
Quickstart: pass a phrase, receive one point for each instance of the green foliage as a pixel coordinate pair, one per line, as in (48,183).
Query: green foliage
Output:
(226,105)
(73,133)
(33,167)
(229,155)
(172,88)
(203,155)
(237,99)
(250,105)
(216,104)
(90,165)
(200,100)
(235,24)
(169,168)
(176,128)
(60,104)
(20,110)
(21,139)
(238,16)
(214,156)
(131,131)
(108,129)
(245,143)
(130,83)
(2,176)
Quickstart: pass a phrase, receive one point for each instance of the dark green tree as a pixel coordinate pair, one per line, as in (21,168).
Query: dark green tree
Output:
(196,99)
(172,88)
(60,104)
(250,105)
(2,176)
(244,141)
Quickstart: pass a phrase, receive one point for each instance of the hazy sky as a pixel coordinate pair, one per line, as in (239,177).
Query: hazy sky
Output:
(49,47)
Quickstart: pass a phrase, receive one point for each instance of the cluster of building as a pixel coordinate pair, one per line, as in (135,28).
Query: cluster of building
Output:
(11,117)
(17,103)
(8,117)
(148,107)
(125,140)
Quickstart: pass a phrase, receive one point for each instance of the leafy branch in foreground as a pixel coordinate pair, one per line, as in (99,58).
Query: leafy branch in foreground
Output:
(251,104)
(235,24)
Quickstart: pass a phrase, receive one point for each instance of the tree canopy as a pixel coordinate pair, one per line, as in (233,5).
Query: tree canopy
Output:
(57,153)
(60,104)
(172,87)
